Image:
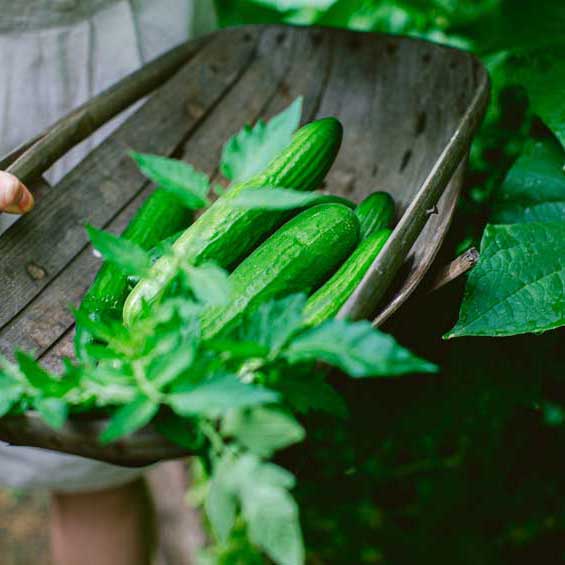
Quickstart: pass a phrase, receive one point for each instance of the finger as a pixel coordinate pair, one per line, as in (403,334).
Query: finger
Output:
(15,198)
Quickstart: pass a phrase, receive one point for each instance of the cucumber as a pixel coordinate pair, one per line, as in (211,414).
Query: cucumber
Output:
(225,234)
(326,302)
(375,213)
(160,216)
(297,258)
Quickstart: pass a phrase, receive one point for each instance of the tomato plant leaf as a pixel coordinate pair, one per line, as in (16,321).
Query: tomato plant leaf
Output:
(250,150)
(517,286)
(125,254)
(218,394)
(53,411)
(273,323)
(357,348)
(130,418)
(262,430)
(209,283)
(182,180)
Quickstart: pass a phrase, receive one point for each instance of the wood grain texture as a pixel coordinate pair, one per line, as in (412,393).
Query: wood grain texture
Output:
(409,109)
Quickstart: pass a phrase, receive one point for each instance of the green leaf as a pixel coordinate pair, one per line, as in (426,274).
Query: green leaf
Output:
(274,198)
(182,431)
(252,148)
(217,395)
(209,283)
(272,515)
(130,418)
(262,430)
(273,323)
(53,411)
(190,186)
(165,368)
(41,379)
(307,391)
(10,392)
(125,254)
(357,348)
(269,510)
(517,286)
(221,501)
(534,189)
(541,71)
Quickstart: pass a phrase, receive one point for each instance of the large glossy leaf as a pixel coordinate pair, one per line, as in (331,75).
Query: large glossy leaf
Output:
(534,189)
(519,284)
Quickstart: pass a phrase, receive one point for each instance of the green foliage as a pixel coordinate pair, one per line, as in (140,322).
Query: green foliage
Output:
(351,347)
(534,189)
(125,254)
(250,150)
(517,286)
(191,187)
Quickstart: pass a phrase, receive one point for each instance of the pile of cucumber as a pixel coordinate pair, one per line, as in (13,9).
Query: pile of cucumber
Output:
(323,251)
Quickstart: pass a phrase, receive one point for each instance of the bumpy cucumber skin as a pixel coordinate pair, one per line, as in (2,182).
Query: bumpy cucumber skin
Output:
(225,234)
(298,257)
(160,216)
(375,213)
(326,302)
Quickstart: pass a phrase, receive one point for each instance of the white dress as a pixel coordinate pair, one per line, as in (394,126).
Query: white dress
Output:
(55,55)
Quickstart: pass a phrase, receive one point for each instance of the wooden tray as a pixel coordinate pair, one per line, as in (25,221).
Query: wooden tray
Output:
(409,109)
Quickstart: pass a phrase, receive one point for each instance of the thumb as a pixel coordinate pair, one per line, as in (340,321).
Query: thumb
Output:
(15,198)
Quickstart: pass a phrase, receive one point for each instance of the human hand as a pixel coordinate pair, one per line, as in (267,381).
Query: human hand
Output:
(15,198)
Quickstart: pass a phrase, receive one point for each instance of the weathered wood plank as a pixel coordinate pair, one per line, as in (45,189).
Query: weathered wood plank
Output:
(47,317)
(283,77)
(107,179)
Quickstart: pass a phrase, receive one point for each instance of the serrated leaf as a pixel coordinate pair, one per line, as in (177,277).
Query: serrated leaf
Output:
(517,286)
(221,507)
(182,431)
(190,186)
(217,395)
(262,430)
(209,283)
(272,515)
(307,391)
(273,323)
(130,418)
(357,348)
(53,411)
(534,188)
(251,149)
(40,379)
(275,198)
(10,393)
(123,253)
(165,368)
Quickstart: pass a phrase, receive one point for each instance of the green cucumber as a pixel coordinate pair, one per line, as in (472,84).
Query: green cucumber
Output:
(297,258)
(375,213)
(160,216)
(327,301)
(226,234)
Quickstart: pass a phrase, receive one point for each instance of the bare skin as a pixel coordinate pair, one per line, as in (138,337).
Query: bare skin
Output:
(15,198)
